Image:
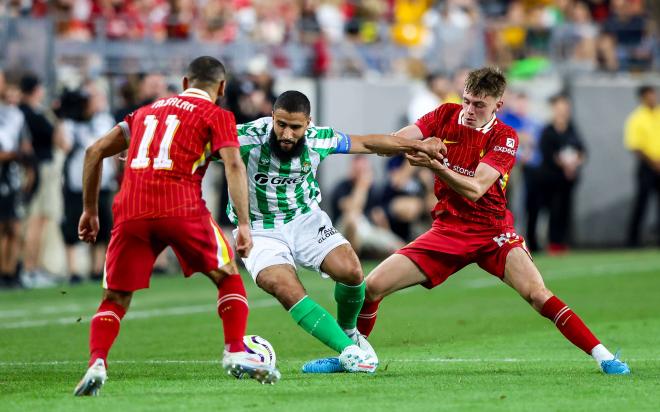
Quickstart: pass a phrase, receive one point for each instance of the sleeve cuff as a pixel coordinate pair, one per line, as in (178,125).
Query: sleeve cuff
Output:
(494,165)
(425,131)
(126,131)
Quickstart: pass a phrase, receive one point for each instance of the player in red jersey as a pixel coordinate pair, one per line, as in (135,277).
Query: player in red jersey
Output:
(160,204)
(471,222)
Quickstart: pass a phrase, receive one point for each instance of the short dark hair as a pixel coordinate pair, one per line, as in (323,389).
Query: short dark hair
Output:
(487,81)
(563,95)
(206,69)
(293,101)
(29,83)
(643,89)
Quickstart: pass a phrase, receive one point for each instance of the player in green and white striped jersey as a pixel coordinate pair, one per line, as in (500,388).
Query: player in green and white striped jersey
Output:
(282,154)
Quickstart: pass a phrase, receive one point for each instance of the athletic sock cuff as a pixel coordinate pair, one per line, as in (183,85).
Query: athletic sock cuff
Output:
(552,307)
(302,308)
(109,306)
(349,293)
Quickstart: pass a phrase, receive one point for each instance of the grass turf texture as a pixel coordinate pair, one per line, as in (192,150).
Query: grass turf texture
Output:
(470,344)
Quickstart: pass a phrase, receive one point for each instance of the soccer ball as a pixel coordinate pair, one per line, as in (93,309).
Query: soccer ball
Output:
(261,347)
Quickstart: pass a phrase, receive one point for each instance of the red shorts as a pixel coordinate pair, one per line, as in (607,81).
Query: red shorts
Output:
(197,242)
(448,247)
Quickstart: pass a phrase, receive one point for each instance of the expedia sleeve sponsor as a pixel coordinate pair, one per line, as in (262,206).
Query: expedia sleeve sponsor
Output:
(507,150)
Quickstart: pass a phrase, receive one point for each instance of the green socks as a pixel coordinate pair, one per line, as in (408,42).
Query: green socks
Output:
(319,323)
(349,302)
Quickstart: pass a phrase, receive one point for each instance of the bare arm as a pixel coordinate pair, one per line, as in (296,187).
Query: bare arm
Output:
(238,191)
(8,156)
(472,188)
(411,132)
(109,145)
(389,145)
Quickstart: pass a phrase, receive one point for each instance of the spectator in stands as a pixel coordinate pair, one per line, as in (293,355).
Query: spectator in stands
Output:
(516,114)
(43,207)
(563,153)
(404,197)
(14,147)
(436,92)
(85,119)
(251,96)
(575,41)
(356,207)
(150,87)
(627,31)
(642,137)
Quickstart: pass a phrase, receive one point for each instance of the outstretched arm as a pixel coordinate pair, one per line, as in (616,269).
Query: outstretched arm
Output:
(109,145)
(389,145)
(472,188)
(238,191)
(412,132)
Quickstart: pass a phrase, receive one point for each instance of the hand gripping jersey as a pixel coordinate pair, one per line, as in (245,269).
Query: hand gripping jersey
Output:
(281,191)
(494,144)
(170,141)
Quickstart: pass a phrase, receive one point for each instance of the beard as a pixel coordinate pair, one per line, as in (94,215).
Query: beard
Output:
(285,155)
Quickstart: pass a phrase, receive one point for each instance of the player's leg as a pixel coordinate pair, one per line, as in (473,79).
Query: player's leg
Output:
(200,246)
(232,304)
(394,273)
(130,257)
(343,266)
(282,282)
(521,274)
(233,310)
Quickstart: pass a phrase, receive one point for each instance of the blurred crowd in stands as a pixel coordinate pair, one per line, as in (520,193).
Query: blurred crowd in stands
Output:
(350,36)
(43,138)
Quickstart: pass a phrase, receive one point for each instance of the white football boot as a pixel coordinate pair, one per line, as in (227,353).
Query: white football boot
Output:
(362,342)
(354,359)
(94,378)
(243,364)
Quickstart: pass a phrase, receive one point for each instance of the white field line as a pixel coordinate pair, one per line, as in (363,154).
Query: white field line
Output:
(136,314)
(384,361)
(617,268)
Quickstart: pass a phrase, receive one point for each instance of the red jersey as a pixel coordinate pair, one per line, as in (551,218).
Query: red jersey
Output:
(494,144)
(170,141)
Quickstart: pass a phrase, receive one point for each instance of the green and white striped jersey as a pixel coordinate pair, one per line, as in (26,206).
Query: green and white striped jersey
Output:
(281,191)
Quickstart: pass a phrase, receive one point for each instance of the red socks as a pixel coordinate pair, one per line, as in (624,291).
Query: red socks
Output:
(569,324)
(233,310)
(367,317)
(104,328)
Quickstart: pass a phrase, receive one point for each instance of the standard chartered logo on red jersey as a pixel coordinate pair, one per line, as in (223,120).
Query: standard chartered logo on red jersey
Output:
(458,169)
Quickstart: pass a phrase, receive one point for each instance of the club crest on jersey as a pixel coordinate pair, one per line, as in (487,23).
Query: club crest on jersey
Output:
(264,161)
(504,238)
(306,168)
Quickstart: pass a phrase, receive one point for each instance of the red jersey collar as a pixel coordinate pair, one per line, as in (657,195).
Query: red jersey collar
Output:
(199,93)
(485,129)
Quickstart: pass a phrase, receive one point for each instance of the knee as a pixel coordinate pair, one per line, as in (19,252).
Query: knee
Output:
(538,296)
(286,292)
(373,292)
(218,274)
(121,298)
(352,274)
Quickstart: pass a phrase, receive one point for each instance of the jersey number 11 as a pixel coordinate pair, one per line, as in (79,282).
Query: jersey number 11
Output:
(162,161)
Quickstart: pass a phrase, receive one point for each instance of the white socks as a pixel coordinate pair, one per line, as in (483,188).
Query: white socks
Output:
(600,353)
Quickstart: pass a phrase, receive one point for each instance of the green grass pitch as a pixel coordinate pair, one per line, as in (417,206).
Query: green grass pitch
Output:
(471,344)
